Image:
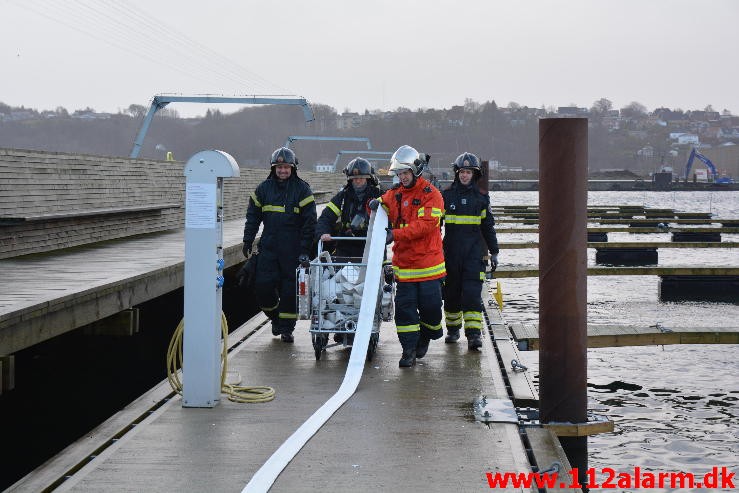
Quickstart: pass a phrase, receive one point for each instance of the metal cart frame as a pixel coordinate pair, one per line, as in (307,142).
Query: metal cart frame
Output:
(330,294)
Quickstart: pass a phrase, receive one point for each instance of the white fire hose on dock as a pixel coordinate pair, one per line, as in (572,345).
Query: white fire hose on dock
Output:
(265,477)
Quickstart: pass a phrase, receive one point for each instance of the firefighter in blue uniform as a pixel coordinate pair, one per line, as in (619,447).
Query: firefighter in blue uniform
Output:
(285,204)
(347,214)
(469,233)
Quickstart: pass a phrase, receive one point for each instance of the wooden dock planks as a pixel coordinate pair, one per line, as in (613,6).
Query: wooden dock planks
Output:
(629,244)
(45,295)
(520,382)
(519,272)
(527,335)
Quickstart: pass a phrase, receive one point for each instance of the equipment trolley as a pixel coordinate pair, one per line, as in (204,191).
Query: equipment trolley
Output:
(330,291)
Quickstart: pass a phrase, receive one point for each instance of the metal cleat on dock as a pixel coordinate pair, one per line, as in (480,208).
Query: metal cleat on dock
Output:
(518,367)
(494,410)
(661,328)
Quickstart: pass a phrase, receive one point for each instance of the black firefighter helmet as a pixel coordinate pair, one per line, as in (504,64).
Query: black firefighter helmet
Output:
(283,155)
(360,168)
(467,160)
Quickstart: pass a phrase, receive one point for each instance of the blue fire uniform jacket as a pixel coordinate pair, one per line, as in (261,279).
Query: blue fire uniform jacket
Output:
(288,211)
(336,219)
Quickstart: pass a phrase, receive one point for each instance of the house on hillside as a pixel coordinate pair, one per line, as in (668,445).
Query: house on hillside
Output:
(685,139)
(324,168)
(572,111)
(348,120)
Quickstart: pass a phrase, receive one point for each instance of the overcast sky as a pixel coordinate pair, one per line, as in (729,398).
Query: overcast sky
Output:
(380,54)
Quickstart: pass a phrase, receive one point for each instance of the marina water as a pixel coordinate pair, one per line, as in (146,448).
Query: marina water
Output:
(675,408)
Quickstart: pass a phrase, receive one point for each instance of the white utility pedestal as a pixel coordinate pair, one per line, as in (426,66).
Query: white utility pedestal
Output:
(202,343)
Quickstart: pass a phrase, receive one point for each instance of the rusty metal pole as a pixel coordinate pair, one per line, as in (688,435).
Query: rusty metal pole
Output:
(563,200)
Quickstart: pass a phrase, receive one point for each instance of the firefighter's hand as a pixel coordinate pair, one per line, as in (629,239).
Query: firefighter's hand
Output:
(303,260)
(326,237)
(246,249)
(389,238)
(493,262)
(374,204)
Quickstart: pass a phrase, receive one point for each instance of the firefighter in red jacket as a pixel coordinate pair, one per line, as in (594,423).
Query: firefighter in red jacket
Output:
(414,207)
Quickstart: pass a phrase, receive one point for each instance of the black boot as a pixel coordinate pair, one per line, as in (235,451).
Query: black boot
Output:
(408,359)
(409,341)
(287,337)
(422,347)
(452,335)
(276,330)
(474,342)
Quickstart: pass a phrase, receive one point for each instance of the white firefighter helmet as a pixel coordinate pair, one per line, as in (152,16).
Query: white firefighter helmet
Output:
(406,157)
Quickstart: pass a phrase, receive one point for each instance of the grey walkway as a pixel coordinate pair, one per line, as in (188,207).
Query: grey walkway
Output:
(404,430)
(46,295)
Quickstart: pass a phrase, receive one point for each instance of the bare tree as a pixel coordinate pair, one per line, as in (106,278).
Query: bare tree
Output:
(602,106)
(634,110)
(136,110)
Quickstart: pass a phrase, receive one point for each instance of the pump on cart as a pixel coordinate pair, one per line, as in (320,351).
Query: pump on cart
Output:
(330,290)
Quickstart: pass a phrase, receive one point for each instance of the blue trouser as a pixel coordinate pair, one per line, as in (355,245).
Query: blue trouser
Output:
(418,311)
(463,294)
(275,287)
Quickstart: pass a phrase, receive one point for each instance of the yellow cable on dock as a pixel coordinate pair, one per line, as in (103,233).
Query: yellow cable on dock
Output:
(234,391)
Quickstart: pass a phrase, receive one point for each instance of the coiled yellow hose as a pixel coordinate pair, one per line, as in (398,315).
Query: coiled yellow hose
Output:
(234,391)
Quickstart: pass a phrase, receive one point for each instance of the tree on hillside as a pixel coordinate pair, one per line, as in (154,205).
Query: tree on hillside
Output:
(136,110)
(634,110)
(602,106)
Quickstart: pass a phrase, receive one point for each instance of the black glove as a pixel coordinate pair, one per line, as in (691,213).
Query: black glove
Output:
(374,204)
(246,249)
(389,238)
(303,260)
(493,262)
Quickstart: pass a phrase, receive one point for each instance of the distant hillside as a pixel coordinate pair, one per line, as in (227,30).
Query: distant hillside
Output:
(629,139)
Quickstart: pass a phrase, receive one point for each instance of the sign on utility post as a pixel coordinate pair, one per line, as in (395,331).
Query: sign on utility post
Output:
(201,359)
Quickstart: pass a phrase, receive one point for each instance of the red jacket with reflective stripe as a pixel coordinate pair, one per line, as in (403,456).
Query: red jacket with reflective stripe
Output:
(415,214)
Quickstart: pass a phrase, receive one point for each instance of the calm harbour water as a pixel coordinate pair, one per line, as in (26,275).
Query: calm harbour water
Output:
(675,408)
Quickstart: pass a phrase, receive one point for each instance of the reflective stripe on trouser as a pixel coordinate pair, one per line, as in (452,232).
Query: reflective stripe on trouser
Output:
(473,320)
(418,308)
(275,288)
(453,320)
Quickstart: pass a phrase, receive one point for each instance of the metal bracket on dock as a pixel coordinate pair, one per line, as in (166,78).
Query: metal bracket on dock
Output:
(529,417)
(494,410)
(596,424)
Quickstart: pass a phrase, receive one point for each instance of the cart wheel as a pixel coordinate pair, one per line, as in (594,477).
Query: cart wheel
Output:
(374,337)
(318,345)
